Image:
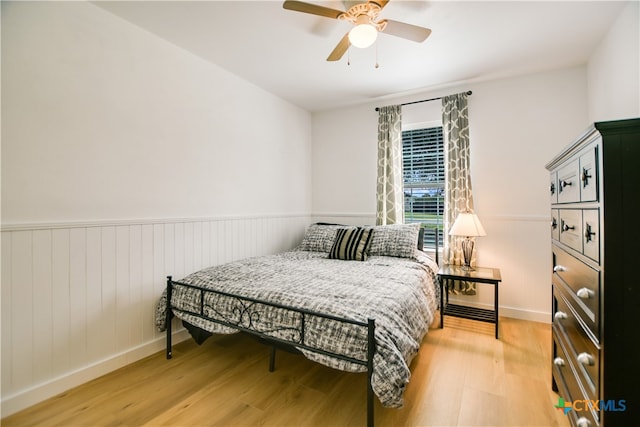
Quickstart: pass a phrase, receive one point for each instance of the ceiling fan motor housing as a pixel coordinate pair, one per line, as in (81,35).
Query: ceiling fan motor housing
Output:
(364,13)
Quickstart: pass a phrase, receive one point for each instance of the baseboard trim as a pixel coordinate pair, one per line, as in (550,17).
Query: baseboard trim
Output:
(518,313)
(40,392)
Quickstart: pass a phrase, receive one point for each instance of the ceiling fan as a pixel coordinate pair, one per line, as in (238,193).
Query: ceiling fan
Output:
(364,16)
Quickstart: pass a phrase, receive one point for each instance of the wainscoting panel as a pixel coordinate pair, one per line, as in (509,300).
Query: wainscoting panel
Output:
(78,300)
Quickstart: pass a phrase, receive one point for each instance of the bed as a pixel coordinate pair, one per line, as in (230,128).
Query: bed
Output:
(352,298)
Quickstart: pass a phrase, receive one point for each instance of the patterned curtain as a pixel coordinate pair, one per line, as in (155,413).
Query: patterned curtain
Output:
(389,194)
(458,197)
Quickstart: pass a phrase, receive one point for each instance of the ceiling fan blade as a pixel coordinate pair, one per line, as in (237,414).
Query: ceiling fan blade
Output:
(313,9)
(406,31)
(340,49)
(381,3)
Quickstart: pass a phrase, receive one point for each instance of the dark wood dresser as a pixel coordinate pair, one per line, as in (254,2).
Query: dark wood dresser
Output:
(595,242)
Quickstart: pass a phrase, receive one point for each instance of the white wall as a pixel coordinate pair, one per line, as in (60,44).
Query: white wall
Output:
(103,120)
(125,159)
(516,126)
(614,70)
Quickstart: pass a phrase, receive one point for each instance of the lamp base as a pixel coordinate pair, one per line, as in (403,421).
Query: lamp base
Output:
(467,251)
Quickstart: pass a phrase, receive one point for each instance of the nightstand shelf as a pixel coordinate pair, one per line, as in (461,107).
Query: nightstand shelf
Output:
(472,313)
(451,273)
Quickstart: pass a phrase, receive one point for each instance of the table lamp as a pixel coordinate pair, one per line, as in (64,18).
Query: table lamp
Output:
(467,225)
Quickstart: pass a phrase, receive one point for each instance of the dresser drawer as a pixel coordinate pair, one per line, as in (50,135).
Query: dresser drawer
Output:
(568,183)
(581,284)
(589,175)
(571,228)
(568,383)
(591,234)
(555,224)
(583,353)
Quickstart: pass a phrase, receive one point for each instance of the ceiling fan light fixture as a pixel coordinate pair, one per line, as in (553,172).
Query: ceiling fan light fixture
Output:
(363,35)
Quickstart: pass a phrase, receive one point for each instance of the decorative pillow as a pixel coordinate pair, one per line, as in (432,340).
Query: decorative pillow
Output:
(351,244)
(398,240)
(319,237)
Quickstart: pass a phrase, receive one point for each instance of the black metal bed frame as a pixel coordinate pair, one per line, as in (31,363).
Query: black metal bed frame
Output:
(247,312)
(245,319)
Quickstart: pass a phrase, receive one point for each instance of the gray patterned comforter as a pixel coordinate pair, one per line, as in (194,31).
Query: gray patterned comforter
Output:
(399,293)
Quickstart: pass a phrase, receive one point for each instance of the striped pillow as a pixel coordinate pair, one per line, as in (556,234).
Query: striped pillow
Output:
(351,244)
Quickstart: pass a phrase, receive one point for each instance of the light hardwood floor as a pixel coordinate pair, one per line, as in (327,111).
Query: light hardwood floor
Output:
(462,376)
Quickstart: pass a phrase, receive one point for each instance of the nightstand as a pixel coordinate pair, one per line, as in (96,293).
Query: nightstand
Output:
(450,273)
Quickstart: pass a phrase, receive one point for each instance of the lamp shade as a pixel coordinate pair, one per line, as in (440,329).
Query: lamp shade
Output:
(363,35)
(467,224)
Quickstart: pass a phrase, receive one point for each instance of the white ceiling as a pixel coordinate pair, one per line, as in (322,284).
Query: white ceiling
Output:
(284,52)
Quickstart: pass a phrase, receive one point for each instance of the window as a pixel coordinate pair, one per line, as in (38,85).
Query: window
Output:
(423,170)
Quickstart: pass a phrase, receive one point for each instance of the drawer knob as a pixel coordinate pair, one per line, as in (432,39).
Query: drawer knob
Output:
(586,359)
(566,227)
(558,361)
(588,233)
(562,184)
(560,315)
(558,268)
(585,177)
(552,188)
(583,422)
(585,293)
(554,224)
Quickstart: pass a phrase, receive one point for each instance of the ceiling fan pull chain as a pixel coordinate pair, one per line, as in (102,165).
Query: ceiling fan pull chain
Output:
(377,65)
(348,56)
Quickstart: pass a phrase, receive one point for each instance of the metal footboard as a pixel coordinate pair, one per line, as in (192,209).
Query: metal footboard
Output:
(249,309)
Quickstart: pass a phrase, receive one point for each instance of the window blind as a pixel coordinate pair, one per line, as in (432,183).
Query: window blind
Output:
(424,179)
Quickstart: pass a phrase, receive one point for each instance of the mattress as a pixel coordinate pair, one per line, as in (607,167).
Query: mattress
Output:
(399,293)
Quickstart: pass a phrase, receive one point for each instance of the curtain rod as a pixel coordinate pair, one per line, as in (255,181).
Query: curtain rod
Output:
(425,100)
